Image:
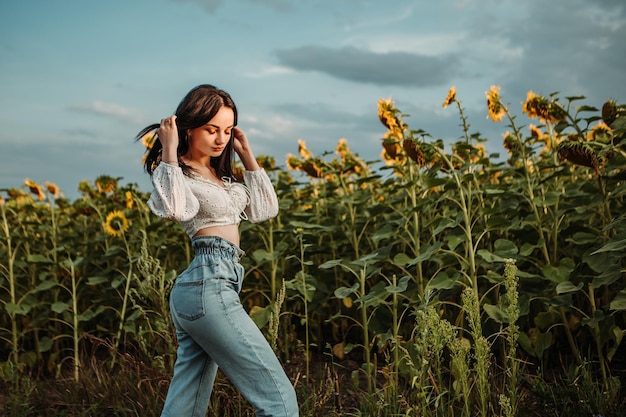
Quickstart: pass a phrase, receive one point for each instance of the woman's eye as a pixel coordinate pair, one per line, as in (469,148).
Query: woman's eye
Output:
(227,132)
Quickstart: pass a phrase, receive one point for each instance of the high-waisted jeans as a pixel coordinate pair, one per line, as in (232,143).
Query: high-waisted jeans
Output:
(213,329)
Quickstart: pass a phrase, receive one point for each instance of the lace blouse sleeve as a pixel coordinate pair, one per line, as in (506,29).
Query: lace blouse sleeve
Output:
(263,200)
(171,198)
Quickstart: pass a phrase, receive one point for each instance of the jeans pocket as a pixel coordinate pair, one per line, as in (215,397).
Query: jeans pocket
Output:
(187,299)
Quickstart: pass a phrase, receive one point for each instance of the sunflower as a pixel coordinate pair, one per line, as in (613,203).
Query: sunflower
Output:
(579,153)
(392,148)
(600,133)
(238,173)
(116,223)
(129,199)
(413,151)
(267,162)
(540,107)
(34,188)
(293,162)
(311,168)
(303,151)
(535,132)
(451,97)
(609,111)
(106,184)
(387,113)
(510,142)
(148,139)
(342,148)
(494,104)
(52,189)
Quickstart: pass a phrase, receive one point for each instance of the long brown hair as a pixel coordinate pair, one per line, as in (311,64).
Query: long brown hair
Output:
(199,106)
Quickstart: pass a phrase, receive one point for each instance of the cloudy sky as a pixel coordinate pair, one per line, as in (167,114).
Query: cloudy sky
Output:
(78,79)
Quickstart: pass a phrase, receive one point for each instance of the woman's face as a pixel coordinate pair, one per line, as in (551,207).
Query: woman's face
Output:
(212,138)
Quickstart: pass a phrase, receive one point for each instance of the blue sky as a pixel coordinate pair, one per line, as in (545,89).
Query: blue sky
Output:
(78,79)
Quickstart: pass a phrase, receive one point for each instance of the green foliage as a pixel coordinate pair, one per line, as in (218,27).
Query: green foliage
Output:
(397,268)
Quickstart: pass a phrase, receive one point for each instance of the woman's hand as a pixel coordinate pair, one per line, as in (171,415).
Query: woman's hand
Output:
(168,136)
(168,133)
(242,147)
(240,141)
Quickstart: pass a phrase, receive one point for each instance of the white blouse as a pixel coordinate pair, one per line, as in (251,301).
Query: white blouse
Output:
(196,202)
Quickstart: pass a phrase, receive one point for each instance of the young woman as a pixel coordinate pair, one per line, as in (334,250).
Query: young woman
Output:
(190,165)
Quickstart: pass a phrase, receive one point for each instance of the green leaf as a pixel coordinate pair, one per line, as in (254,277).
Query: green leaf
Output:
(401,286)
(618,246)
(59,307)
(38,259)
(608,277)
(545,319)
(261,316)
(584,107)
(559,273)
(505,248)
(45,344)
(331,264)
(46,285)
(386,232)
(303,288)
(445,224)
(619,301)
(549,199)
(69,263)
(543,341)
(261,255)
(12,308)
(496,313)
(87,315)
(584,238)
(344,292)
(488,256)
(302,225)
(96,280)
(527,249)
(597,262)
(374,297)
(442,281)
(454,241)
(426,253)
(430,182)
(566,287)
(401,259)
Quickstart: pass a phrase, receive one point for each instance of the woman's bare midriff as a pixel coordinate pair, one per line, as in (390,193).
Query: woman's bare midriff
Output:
(229,232)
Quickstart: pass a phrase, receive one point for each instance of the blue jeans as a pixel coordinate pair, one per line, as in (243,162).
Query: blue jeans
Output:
(213,329)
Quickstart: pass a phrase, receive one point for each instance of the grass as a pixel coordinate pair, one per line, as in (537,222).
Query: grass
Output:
(136,389)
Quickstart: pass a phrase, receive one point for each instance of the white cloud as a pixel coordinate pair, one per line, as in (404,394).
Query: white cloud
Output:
(268,71)
(109,110)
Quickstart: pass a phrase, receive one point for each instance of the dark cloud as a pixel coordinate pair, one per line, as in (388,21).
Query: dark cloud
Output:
(323,114)
(357,65)
(616,6)
(574,48)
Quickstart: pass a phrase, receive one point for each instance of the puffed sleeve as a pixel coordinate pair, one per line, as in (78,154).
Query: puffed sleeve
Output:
(171,197)
(263,200)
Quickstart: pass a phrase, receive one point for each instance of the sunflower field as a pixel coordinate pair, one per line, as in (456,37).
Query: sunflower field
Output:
(450,282)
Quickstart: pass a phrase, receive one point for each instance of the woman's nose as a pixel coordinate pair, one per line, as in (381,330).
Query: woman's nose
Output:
(222,137)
